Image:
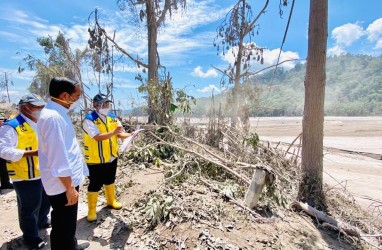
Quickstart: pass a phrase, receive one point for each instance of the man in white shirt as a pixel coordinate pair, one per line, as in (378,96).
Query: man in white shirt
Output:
(18,145)
(61,162)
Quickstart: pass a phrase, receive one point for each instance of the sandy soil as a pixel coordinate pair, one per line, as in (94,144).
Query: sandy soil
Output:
(352,156)
(351,161)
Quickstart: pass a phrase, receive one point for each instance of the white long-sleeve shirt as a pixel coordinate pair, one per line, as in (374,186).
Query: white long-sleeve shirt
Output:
(8,143)
(59,152)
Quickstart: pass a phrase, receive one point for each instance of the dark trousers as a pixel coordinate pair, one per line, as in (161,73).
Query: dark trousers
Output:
(101,174)
(33,207)
(64,223)
(4,177)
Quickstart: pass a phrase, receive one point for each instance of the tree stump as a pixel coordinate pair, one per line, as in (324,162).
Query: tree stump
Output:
(254,191)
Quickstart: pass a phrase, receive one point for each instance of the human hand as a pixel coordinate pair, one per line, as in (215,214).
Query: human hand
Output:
(118,129)
(72,196)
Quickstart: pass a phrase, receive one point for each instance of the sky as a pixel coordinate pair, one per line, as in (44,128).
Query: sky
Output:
(185,42)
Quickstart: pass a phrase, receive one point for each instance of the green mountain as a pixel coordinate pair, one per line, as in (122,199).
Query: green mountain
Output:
(353,88)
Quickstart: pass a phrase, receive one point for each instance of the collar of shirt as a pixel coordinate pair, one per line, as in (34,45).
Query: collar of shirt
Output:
(56,106)
(103,117)
(30,122)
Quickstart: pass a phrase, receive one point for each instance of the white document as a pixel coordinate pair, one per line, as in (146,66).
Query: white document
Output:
(128,141)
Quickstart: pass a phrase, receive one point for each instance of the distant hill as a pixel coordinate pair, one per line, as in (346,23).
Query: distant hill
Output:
(353,88)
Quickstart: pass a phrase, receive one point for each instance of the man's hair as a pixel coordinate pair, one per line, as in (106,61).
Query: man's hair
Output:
(59,85)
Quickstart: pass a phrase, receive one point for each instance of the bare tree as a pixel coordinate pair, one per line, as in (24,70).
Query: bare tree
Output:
(236,35)
(313,120)
(4,84)
(154,13)
(239,25)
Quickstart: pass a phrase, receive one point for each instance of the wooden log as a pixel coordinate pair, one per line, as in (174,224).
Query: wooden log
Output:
(254,191)
(342,226)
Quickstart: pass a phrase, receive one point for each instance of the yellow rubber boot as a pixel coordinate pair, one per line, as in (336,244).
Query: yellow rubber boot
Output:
(110,197)
(92,205)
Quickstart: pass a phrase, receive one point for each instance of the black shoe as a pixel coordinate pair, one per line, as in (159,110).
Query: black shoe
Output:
(7,186)
(37,243)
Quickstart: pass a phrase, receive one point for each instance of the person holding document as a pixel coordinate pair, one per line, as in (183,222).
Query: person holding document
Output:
(101,131)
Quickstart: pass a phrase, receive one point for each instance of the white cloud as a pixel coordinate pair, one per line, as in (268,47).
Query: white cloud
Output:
(210,89)
(126,86)
(10,92)
(24,28)
(198,72)
(78,36)
(374,33)
(123,83)
(337,50)
(347,34)
(14,95)
(271,56)
(14,76)
(10,36)
(378,45)
(270,59)
(184,22)
(123,68)
(177,39)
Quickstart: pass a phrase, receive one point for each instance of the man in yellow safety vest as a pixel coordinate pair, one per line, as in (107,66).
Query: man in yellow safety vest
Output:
(19,146)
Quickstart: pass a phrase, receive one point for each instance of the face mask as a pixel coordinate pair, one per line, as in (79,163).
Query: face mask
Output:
(75,104)
(35,113)
(104,111)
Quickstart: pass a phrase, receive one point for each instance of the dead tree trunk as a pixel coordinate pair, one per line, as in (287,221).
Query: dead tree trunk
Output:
(313,121)
(152,31)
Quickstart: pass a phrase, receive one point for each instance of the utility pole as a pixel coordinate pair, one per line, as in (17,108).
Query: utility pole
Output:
(112,75)
(4,85)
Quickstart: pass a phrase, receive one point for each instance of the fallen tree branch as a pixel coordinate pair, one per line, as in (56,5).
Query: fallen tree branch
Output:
(372,244)
(178,173)
(234,173)
(249,165)
(199,145)
(291,144)
(348,229)
(371,235)
(256,215)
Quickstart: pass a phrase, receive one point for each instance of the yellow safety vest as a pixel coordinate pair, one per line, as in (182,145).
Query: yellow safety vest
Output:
(97,152)
(27,167)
